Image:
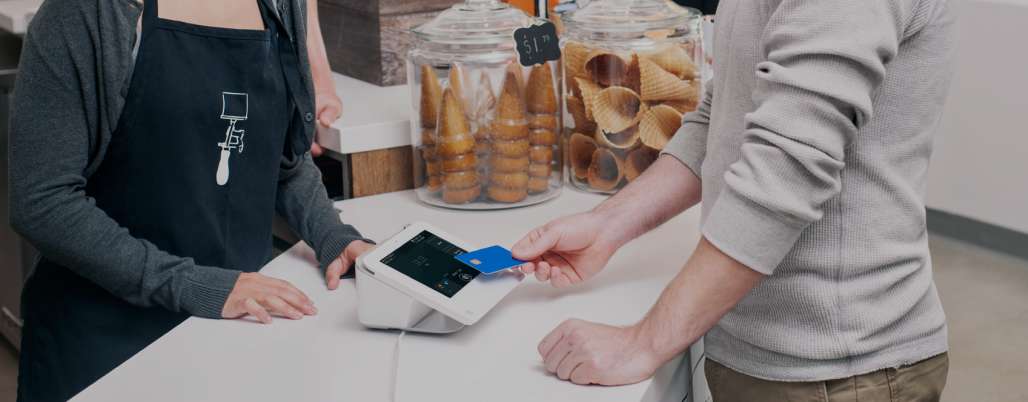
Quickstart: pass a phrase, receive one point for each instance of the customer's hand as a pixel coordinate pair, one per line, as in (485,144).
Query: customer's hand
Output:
(263,296)
(329,108)
(568,250)
(588,353)
(341,265)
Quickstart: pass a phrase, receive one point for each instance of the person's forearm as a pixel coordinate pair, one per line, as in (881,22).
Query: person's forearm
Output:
(710,285)
(665,190)
(321,71)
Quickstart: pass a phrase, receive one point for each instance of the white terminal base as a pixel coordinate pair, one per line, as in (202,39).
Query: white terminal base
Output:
(381,306)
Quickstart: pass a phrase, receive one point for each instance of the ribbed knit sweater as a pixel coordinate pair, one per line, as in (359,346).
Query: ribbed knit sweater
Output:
(812,143)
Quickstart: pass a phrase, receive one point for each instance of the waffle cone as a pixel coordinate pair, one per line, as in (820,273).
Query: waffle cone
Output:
(675,60)
(589,91)
(540,95)
(617,109)
(577,110)
(620,140)
(605,171)
(658,125)
(632,74)
(510,106)
(688,104)
(655,84)
(574,57)
(638,161)
(452,123)
(431,96)
(606,68)
(580,154)
(485,99)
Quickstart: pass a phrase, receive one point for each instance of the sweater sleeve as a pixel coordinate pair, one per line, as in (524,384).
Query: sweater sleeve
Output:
(823,62)
(689,144)
(303,202)
(54,116)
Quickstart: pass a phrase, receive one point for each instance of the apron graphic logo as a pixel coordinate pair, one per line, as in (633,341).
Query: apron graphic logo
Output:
(234,108)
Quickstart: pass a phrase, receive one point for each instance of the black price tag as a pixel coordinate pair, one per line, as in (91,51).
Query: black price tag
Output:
(537,44)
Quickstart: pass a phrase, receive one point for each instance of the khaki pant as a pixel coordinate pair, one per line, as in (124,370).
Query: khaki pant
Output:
(919,382)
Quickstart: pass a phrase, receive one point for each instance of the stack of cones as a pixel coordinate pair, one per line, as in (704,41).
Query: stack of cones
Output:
(431,97)
(625,106)
(455,147)
(541,101)
(508,178)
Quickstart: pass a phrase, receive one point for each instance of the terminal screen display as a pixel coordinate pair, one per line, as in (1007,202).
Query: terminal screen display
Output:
(428,259)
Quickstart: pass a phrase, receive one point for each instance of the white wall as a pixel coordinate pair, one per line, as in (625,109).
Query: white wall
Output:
(980,166)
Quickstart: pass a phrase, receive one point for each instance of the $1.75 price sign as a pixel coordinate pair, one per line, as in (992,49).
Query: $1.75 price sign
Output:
(537,44)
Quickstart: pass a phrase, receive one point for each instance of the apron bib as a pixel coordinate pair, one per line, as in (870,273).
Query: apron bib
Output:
(192,167)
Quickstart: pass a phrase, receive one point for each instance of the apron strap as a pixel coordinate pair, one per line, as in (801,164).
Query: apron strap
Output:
(149,17)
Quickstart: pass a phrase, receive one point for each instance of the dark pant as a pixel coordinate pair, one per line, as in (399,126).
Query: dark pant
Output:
(919,382)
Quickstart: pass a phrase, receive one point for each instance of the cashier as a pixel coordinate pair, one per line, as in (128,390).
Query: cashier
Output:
(151,146)
(812,278)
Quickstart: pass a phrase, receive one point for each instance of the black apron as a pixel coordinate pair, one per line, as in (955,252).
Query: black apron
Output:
(192,167)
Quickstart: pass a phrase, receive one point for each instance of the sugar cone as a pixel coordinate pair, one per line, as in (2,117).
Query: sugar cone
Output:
(605,171)
(431,95)
(511,107)
(485,99)
(574,58)
(616,109)
(452,122)
(577,110)
(538,185)
(655,84)
(462,196)
(519,74)
(589,91)
(507,195)
(675,60)
(504,130)
(540,96)
(580,154)
(658,125)
(543,121)
(606,68)
(456,82)
(638,161)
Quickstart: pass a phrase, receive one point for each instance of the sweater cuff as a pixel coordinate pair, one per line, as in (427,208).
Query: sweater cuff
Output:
(750,233)
(334,245)
(207,290)
(687,147)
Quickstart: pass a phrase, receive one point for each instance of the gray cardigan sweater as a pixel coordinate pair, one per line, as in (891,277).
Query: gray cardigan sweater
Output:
(73,77)
(813,143)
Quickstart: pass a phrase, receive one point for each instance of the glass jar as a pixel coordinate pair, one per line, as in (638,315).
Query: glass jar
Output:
(630,72)
(485,129)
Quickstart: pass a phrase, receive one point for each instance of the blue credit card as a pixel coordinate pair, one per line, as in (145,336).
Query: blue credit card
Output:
(490,260)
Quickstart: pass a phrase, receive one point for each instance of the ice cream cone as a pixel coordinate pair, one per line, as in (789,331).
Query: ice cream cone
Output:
(541,154)
(606,68)
(460,163)
(511,107)
(508,180)
(452,122)
(688,104)
(539,170)
(505,131)
(632,74)
(431,96)
(511,149)
(542,137)
(485,99)
(620,140)
(543,121)
(540,95)
(509,165)
(605,171)
(673,59)
(456,82)
(577,110)
(574,57)
(538,185)
(462,196)
(639,160)
(658,125)
(617,109)
(589,91)
(580,154)
(655,84)
(507,195)
(518,72)
(460,180)
(435,183)
(428,137)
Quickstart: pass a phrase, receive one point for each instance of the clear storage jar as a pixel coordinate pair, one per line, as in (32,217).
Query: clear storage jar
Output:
(631,70)
(486,130)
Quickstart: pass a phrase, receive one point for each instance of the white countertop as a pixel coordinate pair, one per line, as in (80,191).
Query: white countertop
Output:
(373,118)
(15,15)
(330,356)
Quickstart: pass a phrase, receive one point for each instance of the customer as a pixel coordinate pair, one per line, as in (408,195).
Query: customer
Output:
(147,177)
(813,274)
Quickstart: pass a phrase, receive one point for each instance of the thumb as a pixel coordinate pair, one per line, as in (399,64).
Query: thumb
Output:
(536,243)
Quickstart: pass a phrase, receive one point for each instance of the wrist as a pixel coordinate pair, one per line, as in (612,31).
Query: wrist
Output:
(650,341)
(612,215)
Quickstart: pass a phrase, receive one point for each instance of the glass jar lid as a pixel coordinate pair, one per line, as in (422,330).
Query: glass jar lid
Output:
(475,22)
(625,16)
